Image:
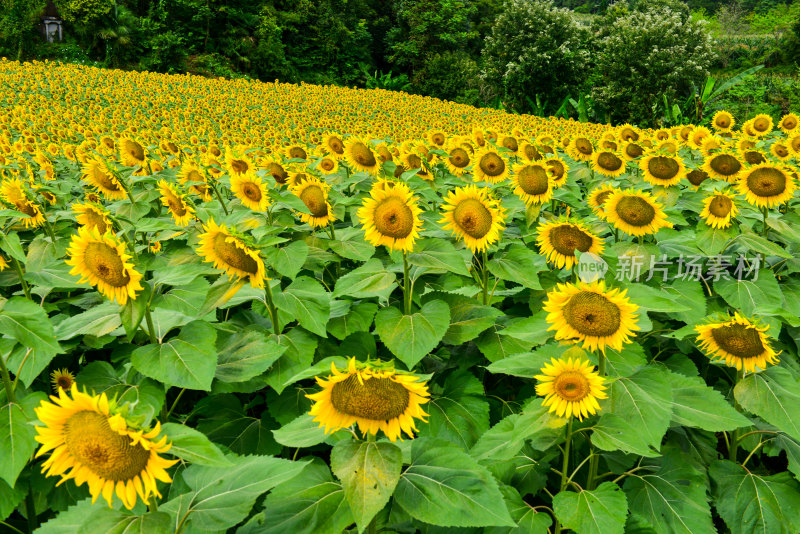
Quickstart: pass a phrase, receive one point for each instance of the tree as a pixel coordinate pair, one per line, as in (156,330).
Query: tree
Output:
(17,22)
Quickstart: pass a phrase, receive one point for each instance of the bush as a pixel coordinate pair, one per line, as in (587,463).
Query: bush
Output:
(535,48)
(652,51)
(449,76)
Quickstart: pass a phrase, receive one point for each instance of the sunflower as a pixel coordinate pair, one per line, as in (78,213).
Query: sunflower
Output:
(722,121)
(753,157)
(191,175)
(62,379)
(580,149)
(436,137)
(472,214)
(383,152)
(532,183)
(92,443)
(632,150)
(3,264)
(597,199)
(13,192)
(179,209)
(608,163)
(457,160)
(737,341)
(250,190)
(794,145)
(155,247)
(228,252)
(634,212)
(132,153)
(662,169)
(530,152)
(101,260)
(723,166)
(295,151)
(627,132)
(559,239)
(698,136)
(97,174)
(761,124)
(789,123)
(359,154)
(314,194)
(490,166)
(558,171)
(590,313)
(92,216)
(237,162)
(333,142)
(391,217)
(766,185)
(276,169)
(719,209)
(571,388)
(697,177)
(510,142)
(781,151)
(373,395)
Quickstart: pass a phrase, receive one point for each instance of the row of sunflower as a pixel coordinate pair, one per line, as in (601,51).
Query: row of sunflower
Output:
(241,289)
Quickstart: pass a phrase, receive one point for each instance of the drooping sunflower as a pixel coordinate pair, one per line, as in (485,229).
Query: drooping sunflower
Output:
(250,190)
(761,124)
(635,212)
(62,379)
(374,396)
(472,214)
(559,239)
(132,153)
(632,150)
(697,177)
(628,132)
(766,185)
(530,152)
(580,148)
(663,170)
(571,388)
(719,209)
(532,183)
(391,217)
(597,199)
(490,166)
(608,163)
(237,162)
(723,165)
(591,314)
(737,341)
(276,169)
(97,174)
(722,121)
(295,151)
(359,154)
(179,208)
(457,160)
(102,261)
(753,157)
(333,142)
(228,252)
(314,194)
(789,123)
(90,443)
(558,171)
(92,216)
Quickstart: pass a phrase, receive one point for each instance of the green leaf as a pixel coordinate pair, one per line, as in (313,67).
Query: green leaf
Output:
(301,432)
(697,405)
(653,299)
(97,321)
(186,361)
(467,318)
(306,300)
(689,292)
(613,432)
(245,354)
(69,521)
(220,497)
(438,254)
(108,521)
(181,274)
(444,486)
(350,244)
(497,347)
(712,240)
(531,330)
(10,244)
(460,413)
(358,318)
(369,472)
(10,497)
(529,521)
(603,510)
(28,324)
(528,364)
(625,362)
(310,503)
(193,446)
(288,260)
(756,243)
(518,264)
(144,397)
(17,441)
(300,347)
(369,280)
(774,396)
(751,503)
(749,296)
(412,337)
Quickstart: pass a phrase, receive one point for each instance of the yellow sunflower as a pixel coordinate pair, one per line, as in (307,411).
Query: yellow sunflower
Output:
(697,177)
(228,252)
(327,165)
(276,169)
(608,163)
(457,160)
(530,152)
(781,151)
(97,174)
(737,341)
(191,175)
(92,216)
(295,151)
(334,144)
(237,162)
(532,183)
(571,388)
(374,396)
(250,190)
(635,212)
(794,145)
(722,121)
(102,261)
(489,165)
(472,214)
(91,443)
(761,124)
(723,165)
(391,217)
(179,208)
(314,194)
(559,239)
(62,379)
(597,199)
(558,171)
(580,148)
(359,154)
(663,170)
(632,150)
(789,123)
(3,264)
(591,314)
(132,153)
(719,209)
(766,185)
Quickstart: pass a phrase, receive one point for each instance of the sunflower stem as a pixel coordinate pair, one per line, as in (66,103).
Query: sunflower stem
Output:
(564,467)
(49,229)
(601,364)
(406,286)
(30,510)
(169,412)
(219,197)
(733,445)
(485,277)
(7,380)
(764,214)
(150,330)
(593,465)
(273,311)
(20,274)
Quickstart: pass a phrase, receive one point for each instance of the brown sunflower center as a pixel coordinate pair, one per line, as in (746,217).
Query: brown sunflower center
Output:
(95,220)
(761,124)
(251,191)
(384,154)
(492,164)
(134,150)
(635,211)
(172,146)
(567,237)
(64,381)
(107,454)
(633,150)
(584,146)
(738,340)
(780,150)
(438,139)
(663,168)
(531,153)
(628,134)
(239,166)
(722,121)
(726,164)
(104,179)
(104,262)
(459,158)
(26,207)
(335,144)
(720,206)
(297,152)
(795,143)
(697,177)
(790,123)
(278,172)
(510,143)
(592,314)
(571,386)
(601,199)
(533,180)
(766,182)
(326,164)
(228,252)
(194,176)
(314,198)
(472,218)
(176,205)
(362,154)
(754,157)
(378,399)
(609,161)
(394,218)
(557,168)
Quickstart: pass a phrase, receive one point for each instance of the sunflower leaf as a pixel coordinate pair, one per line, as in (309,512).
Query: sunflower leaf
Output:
(245,354)
(773,395)
(193,446)
(695,404)
(412,337)
(749,296)
(307,301)
(599,511)
(518,264)
(17,441)
(29,325)
(288,260)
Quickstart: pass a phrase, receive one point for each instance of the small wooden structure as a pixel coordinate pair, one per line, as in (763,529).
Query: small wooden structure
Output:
(52,29)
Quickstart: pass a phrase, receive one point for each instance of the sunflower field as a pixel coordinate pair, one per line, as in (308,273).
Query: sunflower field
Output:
(231,306)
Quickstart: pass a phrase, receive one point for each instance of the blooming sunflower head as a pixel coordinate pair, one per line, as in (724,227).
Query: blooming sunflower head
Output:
(360,155)
(489,165)
(780,150)
(314,194)
(558,171)
(722,121)
(789,123)
(93,216)
(3,264)
(635,212)
(598,197)
(592,314)
(458,159)
(250,190)
(474,216)
(580,148)
(179,208)
(738,342)
(295,151)
(608,163)
(719,209)
(90,443)
(761,124)
(227,251)
(327,165)
(532,182)
(723,165)
(192,176)
(663,170)
(697,177)
(334,143)
(374,396)
(132,153)
(62,379)
(571,387)
(237,162)
(391,217)
(558,240)
(97,174)
(766,185)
